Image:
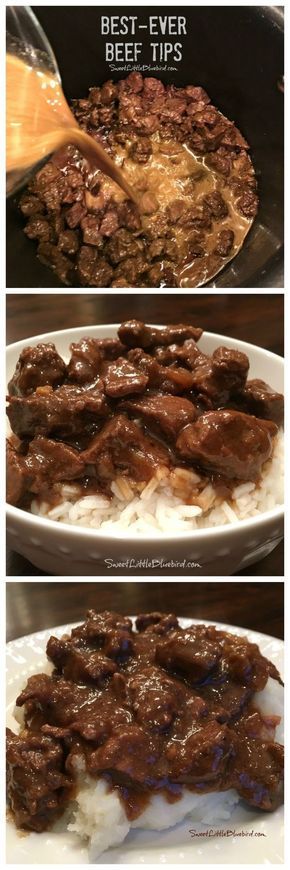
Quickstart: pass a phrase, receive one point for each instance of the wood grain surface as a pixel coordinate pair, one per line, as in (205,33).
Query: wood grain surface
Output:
(32,606)
(255,318)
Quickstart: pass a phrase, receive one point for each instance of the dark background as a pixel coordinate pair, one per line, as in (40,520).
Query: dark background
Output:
(236,54)
(253,318)
(35,606)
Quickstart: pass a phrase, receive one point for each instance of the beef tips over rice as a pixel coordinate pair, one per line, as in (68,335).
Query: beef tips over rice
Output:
(144,416)
(136,718)
(192,177)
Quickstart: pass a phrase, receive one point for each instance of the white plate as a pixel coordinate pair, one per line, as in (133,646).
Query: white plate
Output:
(260,843)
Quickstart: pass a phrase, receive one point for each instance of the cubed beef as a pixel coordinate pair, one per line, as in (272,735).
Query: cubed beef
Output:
(49,461)
(167,414)
(85,362)
(216,205)
(141,150)
(38,786)
(228,442)
(134,333)
(122,446)
(121,378)
(224,243)
(36,367)
(65,411)
(185,653)
(259,399)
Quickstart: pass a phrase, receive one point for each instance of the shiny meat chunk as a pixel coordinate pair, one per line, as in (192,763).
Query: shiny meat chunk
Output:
(36,367)
(258,398)
(230,443)
(98,626)
(50,461)
(258,772)
(164,413)
(80,665)
(218,376)
(147,620)
(122,446)
(64,411)
(134,333)
(183,652)
(121,378)
(85,362)
(169,380)
(201,761)
(17,475)
(37,784)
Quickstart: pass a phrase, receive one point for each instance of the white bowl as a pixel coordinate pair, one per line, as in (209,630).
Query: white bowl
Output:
(62,549)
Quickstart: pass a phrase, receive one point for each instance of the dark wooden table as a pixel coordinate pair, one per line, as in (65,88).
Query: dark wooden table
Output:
(33,606)
(256,318)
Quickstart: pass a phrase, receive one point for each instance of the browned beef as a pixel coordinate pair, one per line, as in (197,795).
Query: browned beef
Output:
(121,445)
(121,378)
(229,442)
(259,399)
(168,414)
(133,333)
(37,785)
(36,367)
(64,411)
(86,360)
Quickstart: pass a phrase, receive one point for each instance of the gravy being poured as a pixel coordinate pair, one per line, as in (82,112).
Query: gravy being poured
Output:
(39,121)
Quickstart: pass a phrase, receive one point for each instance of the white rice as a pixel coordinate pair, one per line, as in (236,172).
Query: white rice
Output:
(171,502)
(99,816)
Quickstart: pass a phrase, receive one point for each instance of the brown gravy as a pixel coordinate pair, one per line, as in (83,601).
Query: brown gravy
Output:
(39,121)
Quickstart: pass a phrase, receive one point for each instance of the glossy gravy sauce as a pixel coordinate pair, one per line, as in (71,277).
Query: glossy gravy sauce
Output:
(39,121)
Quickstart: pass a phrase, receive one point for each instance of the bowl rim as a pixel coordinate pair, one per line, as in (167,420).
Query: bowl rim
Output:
(26,518)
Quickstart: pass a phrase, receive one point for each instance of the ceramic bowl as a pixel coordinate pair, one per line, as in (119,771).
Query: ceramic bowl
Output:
(62,549)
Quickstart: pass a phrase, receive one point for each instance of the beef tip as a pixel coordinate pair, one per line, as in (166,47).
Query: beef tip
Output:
(257,772)
(230,366)
(246,665)
(131,269)
(91,231)
(109,223)
(36,367)
(248,204)
(75,215)
(121,378)
(31,205)
(161,275)
(197,94)
(38,228)
(128,216)
(64,412)
(117,754)
(17,476)
(163,248)
(193,761)
(102,273)
(51,256)
(68,242)
(50,461)
(220,161)
(197,216)
(86,261)
(141,150)
(156,698)
(38,787)
(98,627)
(224,243)
(259,399)
(134,333)
(187,353)
(169,380)
(228,442)
(183,652)
(216,205)
(85,362)
(217,376)
(121,246)
(147,620)
(167,414)
(111,348)
(122,446)
(80,665)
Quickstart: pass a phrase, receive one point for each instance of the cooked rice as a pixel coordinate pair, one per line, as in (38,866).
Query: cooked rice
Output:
(172,502)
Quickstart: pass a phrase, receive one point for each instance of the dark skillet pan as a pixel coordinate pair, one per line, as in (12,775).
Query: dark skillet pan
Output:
(236,54)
